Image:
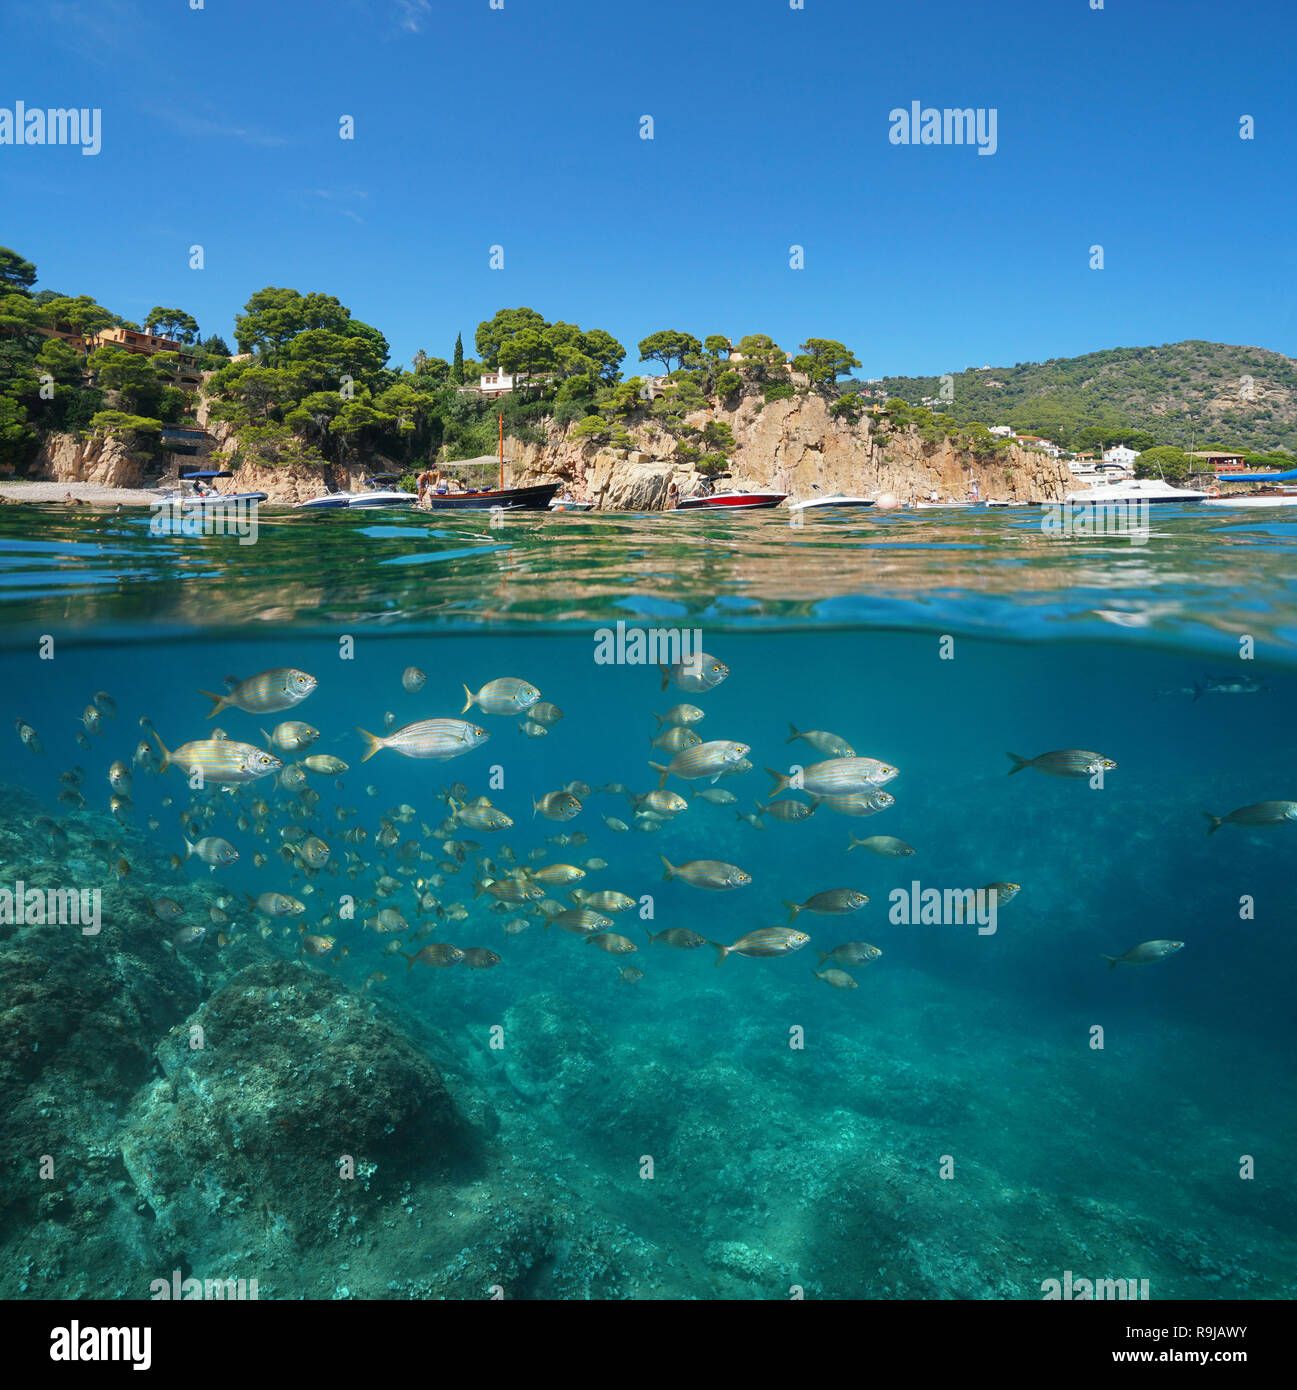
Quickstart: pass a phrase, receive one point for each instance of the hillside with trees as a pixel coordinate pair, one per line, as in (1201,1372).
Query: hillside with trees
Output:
(1191,394)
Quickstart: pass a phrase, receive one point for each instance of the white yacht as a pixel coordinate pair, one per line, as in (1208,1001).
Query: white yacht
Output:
(829,500)
(1137,490)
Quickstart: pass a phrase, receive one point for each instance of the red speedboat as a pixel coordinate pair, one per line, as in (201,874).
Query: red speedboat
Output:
(730,501)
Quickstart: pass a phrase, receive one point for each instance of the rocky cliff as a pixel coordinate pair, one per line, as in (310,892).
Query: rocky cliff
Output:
(63,458)
(789,445)
(786,445)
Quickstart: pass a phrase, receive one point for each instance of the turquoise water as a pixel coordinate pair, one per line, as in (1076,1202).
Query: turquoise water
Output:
(547,1129)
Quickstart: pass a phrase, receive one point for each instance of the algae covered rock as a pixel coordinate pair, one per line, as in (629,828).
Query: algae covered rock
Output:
(285,1101)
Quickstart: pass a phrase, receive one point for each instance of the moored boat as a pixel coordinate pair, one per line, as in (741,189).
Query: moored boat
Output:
(199,494)
(533,497)
(823,500)
(1137,490)
(730,501)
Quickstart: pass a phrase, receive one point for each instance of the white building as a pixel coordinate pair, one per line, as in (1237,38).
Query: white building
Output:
(1119,453)
(1003,431)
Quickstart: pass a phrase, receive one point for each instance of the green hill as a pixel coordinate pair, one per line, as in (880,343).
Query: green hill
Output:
(1205,394)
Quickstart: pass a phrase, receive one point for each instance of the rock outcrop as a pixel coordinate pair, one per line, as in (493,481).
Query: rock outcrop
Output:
(63,458)
(791,446)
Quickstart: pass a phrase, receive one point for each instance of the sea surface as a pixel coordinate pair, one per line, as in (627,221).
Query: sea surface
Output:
(990,1106)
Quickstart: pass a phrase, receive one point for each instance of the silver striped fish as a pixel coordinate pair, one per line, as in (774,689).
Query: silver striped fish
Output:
(274,690)
(428,738)
(837,776)
(220,760)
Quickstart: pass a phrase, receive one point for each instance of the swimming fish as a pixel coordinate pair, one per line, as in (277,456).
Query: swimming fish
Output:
(833,901)
(479,958)
(629,975)
(1064,762)
(694,677)
(213,851)
(851,953)
(276,904)
(790,811)
(186,936)
(858,803)
(438,954)
(266,693)
(316,945)
(680,937)
(167,909)
(707,873)
(580,921)
(221,760)
(325,763)
(413,679)
(765,941)
(1261,813)
(119,778)
(428,738)
(507,696)
(105,702)
(839,979)
(559,806)
(675,739)
(612,943)
(836,777)
(1144,952)
(821,741)
(680,715)
(709,760)
(291,736)
(882,844)
(545,712)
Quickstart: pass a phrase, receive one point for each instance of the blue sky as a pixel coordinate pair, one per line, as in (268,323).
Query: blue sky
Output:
(519,127)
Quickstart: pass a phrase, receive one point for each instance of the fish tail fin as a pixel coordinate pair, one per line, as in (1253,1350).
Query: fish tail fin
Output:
(660,720)
(648,931)
(781,782)
(793,909)
(1216,822)
(662,781)
(670,868)
(666,680)
(410,958)
(1112,961)
(372,743)
(535,806)
(189,849)
(1197,692)
(166,752)
(1018,763)
(468,700)
(721,951)
(824,955)
(219,702)
(794,732)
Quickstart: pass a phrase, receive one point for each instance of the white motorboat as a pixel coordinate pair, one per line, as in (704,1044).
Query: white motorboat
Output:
(829,500)
(328,502)
(1137,490)
(194,491)
(1282,497)
(380,496)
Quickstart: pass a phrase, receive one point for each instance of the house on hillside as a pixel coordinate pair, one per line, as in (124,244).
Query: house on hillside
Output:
(1120,453)
(1217,461)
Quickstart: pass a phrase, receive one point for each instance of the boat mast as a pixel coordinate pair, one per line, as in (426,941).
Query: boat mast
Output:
(502,451)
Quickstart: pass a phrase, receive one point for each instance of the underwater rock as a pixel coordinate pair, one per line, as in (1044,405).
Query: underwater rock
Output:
(283,1099)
